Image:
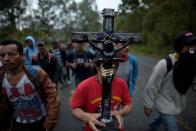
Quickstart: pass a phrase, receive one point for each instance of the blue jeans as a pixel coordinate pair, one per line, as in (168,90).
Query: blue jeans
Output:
(169,122)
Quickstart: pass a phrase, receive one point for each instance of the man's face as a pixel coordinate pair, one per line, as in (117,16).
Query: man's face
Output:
(79,46)
(10,57)
(125,50)
(41,48)
(189,48)
(29,43)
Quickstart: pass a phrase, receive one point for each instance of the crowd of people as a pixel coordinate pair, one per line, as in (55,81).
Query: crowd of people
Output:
(31,76)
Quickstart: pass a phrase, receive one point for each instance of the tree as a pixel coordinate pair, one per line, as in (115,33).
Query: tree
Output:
(87,16)
(49,17)
(158,20)
(165,18)
(128,6)
(131,15)
(11,11)
(44,15)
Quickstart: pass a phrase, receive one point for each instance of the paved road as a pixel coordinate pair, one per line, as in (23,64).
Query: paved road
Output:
(136,121)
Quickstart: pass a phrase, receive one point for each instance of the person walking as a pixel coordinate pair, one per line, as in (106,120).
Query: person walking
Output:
(128,69)
(29,89)
(45,60)
(86,101)
(170,80)
(30,50)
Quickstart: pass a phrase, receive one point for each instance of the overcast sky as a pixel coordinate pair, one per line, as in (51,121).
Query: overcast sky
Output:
(100,3)
(108,4)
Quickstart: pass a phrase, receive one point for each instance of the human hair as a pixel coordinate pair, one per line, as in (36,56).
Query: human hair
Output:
(98,63)
(13,42)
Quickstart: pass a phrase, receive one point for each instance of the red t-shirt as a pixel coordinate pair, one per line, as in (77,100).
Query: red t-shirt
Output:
(88,96)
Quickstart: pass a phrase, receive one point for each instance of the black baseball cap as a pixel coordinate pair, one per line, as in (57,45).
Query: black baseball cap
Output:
(40,43)
(182,39)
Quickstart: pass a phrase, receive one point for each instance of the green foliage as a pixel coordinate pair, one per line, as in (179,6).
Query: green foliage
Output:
(129,5)
(158,21)
(20,35)
(11,11)
(166,20)
(52,19)
(87,16)
(131,21)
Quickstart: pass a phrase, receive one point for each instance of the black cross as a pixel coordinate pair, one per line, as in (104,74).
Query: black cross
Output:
(107,37)
(108,31)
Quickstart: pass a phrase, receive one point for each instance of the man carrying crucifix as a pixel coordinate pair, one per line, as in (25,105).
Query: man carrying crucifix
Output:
(86,101)
(104,95)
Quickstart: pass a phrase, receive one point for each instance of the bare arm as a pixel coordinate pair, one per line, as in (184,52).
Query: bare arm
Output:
(126,110)
(72,65)
(122,113)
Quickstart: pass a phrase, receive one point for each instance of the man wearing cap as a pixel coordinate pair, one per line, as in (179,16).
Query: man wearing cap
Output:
(80,60)
(128,69)
(60,56)
(45,60)
(166,90)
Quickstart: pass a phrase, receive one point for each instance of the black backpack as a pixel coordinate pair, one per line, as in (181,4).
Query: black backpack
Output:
(169,64)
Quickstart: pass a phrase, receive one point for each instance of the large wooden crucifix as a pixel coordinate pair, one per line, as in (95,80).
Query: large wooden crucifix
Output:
(107,37)
(108,30)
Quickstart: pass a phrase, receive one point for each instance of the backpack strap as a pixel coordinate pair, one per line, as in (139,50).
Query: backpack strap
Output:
(169,64)
(31,72)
